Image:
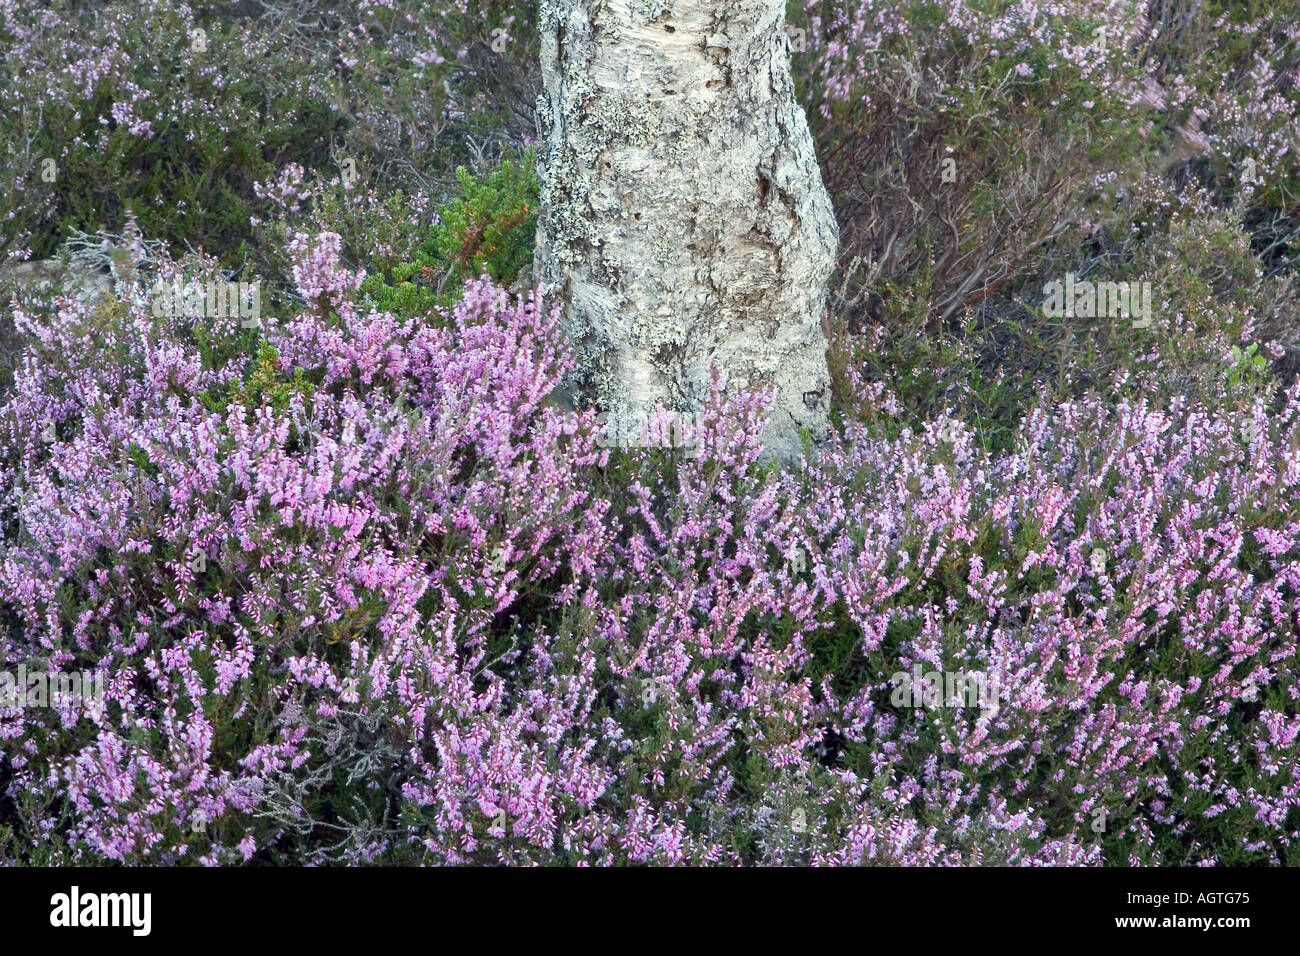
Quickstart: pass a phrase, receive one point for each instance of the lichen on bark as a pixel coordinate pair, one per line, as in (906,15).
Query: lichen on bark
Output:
(684,221)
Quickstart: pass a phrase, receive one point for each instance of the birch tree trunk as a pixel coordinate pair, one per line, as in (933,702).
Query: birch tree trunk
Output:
(684,222)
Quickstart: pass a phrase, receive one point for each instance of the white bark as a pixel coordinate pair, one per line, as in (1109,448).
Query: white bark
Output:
(684,221)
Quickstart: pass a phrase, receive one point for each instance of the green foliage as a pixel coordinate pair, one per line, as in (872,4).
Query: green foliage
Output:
(488,228)
(267,384)
(1248,367)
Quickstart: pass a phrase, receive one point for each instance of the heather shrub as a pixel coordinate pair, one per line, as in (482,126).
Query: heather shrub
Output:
(1225,78)
(152,108)
(418,255)
(384,602)
(1097,568)
(1210,292)
(327,431)
(1129,160)
(142,108)
(960,140)
(423,86)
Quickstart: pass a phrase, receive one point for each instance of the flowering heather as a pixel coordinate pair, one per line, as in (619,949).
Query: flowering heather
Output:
(362,593)
(174,112)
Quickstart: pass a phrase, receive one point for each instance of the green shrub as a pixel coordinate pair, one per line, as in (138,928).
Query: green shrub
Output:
(487,229)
